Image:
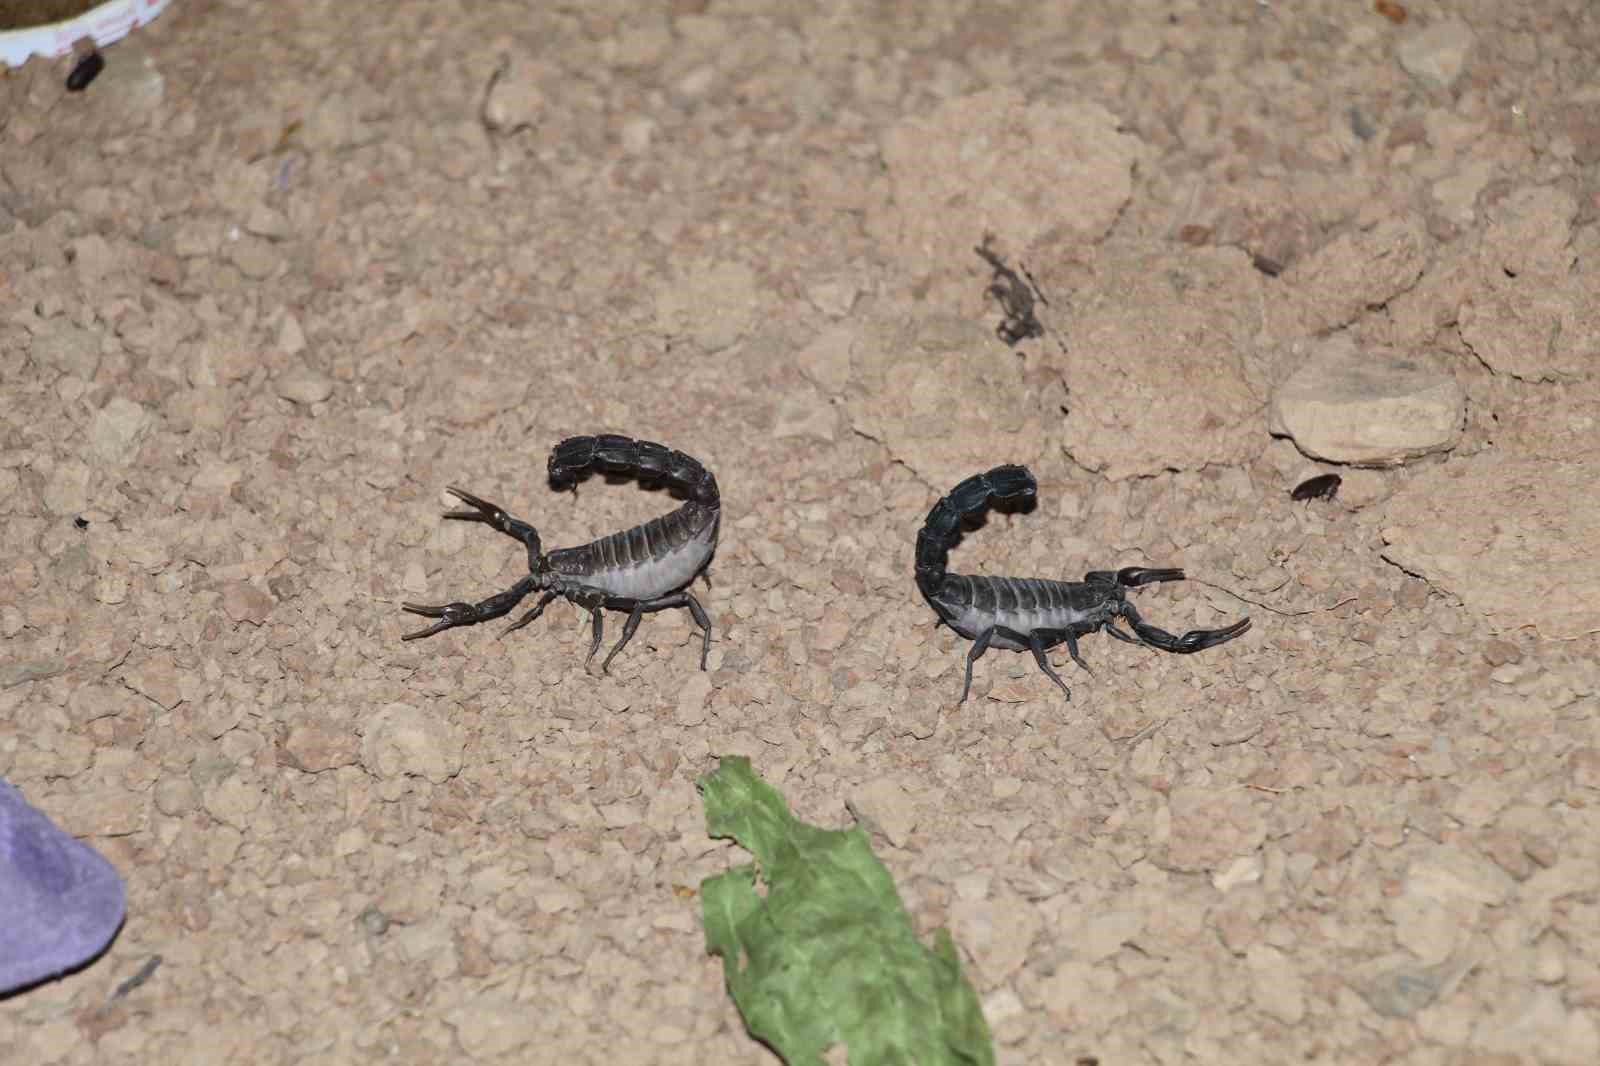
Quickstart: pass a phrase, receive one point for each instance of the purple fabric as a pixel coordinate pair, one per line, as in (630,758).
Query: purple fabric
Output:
(61,902)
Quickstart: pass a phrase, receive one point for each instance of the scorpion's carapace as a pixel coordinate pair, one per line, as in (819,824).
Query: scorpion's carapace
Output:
(643,569)
(1035,614)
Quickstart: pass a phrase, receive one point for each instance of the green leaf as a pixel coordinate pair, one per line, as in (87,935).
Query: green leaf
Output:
(828,955)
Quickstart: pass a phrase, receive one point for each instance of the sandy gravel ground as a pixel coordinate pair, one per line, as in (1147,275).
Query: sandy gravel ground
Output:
(288,269)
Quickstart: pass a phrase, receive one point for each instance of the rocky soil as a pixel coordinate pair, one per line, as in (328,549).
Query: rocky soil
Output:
(287,270)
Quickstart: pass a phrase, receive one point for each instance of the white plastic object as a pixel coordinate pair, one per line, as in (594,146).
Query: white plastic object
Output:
(102,24)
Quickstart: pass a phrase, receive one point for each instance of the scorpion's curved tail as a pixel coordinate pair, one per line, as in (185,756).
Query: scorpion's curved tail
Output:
(577,457)
(1004,484)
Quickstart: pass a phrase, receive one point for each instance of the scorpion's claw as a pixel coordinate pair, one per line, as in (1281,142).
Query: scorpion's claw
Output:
(1134,576)
(1201,639)
(492,514)
(482,510)
(1192,641)
(538,609)
(450,616)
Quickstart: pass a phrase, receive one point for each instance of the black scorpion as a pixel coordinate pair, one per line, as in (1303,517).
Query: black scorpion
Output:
(1028,613)
(646,568)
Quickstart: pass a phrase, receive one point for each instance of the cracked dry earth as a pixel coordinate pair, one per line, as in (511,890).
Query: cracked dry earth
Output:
(289,269)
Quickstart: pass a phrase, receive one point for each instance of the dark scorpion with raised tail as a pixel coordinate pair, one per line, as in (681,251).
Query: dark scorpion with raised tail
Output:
(1030,613)
(646,568)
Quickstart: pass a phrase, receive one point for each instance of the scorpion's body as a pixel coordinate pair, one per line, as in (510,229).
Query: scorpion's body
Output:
(642,563)
(1020,605)
(1034,614)
(643,569)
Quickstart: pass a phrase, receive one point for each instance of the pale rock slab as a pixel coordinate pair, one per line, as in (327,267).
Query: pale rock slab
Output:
(1370,408)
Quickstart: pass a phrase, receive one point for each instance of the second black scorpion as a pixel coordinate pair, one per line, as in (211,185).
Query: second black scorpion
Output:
(1030,613)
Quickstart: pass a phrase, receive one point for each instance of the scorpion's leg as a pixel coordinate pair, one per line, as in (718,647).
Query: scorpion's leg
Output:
(451,615)
(628,629)
(544,601)
(594,645)
(1036,643)
(1071,640)
(698,613)
(682,598)
(1126,638)
(979,646)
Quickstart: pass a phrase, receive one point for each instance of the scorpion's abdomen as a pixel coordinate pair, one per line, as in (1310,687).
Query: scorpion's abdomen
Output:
(647,561)
(972,604)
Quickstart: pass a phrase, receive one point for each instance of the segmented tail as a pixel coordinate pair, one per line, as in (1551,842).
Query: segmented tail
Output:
(942,531)
(577,457)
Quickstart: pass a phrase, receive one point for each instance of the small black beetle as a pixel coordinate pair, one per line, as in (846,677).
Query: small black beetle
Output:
(87,69)
(1321,487)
